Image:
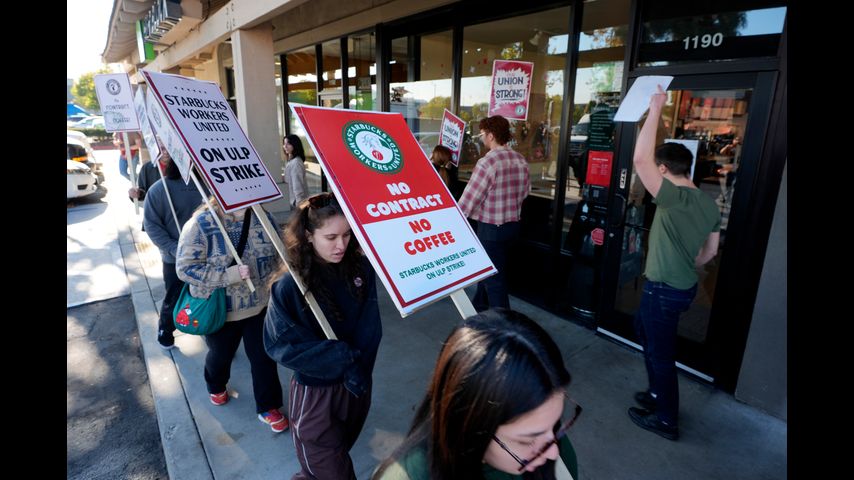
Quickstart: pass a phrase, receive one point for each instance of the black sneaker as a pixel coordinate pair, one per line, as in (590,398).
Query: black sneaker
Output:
(165,339)
(645,400)
(649,421)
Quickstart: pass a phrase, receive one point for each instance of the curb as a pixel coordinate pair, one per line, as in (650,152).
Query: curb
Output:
(183,449)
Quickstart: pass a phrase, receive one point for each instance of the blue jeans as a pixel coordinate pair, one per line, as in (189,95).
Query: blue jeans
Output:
(123,165)
(655,324)
(496,240)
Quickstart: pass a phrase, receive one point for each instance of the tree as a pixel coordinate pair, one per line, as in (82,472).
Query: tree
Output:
(435,108)
(84,90)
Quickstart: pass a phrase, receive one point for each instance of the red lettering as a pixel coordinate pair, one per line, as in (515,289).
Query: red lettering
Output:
(428,243)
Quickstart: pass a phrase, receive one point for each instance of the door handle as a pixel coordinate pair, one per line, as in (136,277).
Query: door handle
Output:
(625,202)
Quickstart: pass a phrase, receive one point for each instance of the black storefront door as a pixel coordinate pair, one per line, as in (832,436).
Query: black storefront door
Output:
(722,118)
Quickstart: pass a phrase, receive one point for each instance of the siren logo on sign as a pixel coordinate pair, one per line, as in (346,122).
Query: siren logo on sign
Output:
(113,87)
(373,147)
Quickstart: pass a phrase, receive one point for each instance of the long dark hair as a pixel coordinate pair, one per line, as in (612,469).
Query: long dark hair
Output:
(494,367)
(295,142)
(312,214)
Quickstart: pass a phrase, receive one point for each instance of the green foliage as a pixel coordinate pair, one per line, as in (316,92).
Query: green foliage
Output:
(95,134)
(435,108)
(304,97)
(512,51)
(84,90)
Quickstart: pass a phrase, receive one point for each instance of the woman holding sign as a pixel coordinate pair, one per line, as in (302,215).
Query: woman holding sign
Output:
(330,390)
(204,263)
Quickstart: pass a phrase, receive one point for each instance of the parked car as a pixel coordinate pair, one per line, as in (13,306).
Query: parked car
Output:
(83,139)
(427,141)
(95,121)
(77,151)
(80,180)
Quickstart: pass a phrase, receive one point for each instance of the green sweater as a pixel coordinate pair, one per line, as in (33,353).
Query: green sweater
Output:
(413,466)
(683,221)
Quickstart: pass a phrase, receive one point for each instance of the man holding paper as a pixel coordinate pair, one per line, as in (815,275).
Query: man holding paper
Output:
(684,235)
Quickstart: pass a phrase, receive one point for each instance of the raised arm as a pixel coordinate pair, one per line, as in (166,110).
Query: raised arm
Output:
(644,159)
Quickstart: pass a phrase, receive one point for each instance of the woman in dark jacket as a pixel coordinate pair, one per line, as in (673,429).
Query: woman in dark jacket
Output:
(330,391)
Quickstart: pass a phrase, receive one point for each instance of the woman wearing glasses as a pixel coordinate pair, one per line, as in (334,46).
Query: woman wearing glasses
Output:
(494,408)
(330,391)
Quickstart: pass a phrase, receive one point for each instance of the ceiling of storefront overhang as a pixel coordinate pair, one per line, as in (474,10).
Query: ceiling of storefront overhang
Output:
(121,35)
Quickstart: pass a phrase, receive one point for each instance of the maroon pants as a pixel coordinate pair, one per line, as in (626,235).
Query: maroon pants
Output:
(325,423)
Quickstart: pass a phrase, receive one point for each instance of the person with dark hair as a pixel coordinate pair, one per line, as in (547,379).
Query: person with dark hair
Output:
(493,409)
(159,223)
(206,264)
(684,235)
(148,175)
(493,197)
(441,159)
(295,170)
(330,391)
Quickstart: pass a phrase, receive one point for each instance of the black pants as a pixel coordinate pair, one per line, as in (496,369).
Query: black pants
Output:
(496,240)
(222,345)
(173,289)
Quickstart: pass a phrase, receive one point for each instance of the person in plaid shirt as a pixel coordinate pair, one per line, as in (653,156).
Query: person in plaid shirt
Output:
(493,198)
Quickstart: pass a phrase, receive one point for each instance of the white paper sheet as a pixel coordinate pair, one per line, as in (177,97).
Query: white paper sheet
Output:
(637,100)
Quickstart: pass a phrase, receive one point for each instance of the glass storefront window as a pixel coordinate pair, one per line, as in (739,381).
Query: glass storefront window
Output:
(331,92)
(541,38)
(302,89)
(420,86)
(362,71)
(599,78)
(674,32)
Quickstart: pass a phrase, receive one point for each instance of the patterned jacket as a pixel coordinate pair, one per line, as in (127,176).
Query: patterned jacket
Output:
(203,261)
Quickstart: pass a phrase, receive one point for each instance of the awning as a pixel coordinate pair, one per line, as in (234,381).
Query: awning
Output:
(75,109)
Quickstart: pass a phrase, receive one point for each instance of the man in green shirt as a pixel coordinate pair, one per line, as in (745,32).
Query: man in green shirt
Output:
(684,235)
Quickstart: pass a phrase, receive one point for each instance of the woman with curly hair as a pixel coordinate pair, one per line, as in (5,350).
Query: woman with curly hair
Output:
(330,391)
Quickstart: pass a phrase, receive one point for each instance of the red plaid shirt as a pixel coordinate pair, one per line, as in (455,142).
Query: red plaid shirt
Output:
(498,184)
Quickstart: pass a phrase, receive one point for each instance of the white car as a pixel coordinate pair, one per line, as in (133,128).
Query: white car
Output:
(79,150)
(95,121)
(80,180)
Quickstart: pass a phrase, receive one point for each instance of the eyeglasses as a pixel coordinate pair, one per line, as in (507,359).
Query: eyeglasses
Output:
(560,433)
(320,200)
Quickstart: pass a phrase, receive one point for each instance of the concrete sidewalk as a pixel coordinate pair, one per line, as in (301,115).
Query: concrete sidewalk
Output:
(720,438)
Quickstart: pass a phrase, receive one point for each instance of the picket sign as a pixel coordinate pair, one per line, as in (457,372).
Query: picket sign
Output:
(210,97)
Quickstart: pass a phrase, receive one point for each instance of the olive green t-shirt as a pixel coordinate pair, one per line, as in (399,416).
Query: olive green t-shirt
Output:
(684,218)
(413,466)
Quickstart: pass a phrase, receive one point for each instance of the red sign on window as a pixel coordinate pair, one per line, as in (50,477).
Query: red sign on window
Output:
(599,167)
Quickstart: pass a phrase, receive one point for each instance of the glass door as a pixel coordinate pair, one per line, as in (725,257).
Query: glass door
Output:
(712,117)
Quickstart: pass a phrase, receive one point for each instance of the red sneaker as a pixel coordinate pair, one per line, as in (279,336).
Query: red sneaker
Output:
(278,422)
(219,398)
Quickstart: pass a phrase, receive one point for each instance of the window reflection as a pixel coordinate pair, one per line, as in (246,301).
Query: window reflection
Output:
(331,94)
(362,72)
(420,86)
(599,78)
(541,38)
(680,32)
(302,89)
